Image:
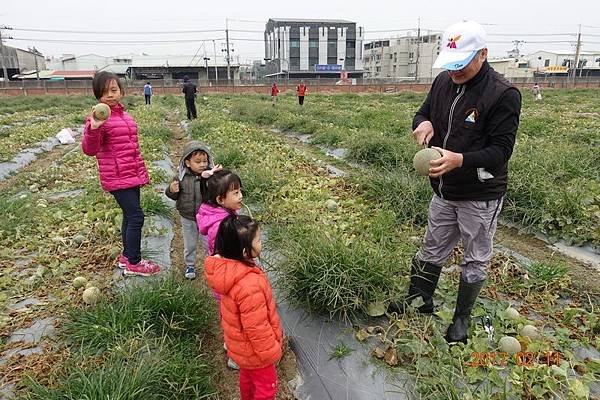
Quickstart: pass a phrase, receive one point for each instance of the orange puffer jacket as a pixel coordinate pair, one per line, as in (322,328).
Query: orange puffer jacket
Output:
(249,318)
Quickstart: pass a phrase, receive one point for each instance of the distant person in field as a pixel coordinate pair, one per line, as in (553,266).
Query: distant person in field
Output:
(300,92)
(148,93)
(188,189)
(536,91)
(189,90)
(471,116)
(274,93)
(114,143)
(250,322)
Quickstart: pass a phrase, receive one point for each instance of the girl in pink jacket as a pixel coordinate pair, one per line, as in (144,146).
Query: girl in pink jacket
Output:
(114,143)
(223,197)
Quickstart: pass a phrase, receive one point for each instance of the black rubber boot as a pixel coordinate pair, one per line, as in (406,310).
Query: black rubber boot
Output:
(424,278)
(467,294)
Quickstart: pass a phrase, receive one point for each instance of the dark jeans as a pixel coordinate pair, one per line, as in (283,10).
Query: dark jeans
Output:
(133,220)
(301,100)
(147,96)
(190,104)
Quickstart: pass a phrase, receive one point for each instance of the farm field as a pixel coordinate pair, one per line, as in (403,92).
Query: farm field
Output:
(339,245)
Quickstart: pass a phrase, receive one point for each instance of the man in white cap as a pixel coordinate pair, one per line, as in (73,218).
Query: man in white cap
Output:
(471,116)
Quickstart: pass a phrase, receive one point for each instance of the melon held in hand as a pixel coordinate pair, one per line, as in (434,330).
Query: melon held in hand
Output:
(422,158)
(101,111)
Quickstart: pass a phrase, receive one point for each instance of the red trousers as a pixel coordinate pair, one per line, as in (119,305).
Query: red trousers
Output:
(258,384)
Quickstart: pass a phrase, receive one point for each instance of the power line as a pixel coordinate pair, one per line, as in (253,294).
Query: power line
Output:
(531,34)
(118,32)
(112,42)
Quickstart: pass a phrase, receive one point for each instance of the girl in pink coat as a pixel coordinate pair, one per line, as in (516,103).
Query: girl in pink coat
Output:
(223,197)
(114,143)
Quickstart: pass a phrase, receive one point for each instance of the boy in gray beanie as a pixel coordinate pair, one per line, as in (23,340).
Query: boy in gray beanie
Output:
(187,189)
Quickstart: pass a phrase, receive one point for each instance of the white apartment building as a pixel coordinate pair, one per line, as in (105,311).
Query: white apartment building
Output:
(405,57)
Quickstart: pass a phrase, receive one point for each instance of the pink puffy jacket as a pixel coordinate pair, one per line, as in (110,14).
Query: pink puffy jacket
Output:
(209,219)
(115,145)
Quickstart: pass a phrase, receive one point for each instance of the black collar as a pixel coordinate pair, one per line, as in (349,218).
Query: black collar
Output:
(485,67)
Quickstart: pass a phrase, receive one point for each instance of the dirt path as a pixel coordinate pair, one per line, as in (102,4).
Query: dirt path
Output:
(225,379)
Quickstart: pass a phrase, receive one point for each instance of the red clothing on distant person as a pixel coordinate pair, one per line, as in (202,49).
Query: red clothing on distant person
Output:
(301,89)
(274,90)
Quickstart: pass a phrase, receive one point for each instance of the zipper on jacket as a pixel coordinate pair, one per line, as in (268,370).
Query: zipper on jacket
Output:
(460,91)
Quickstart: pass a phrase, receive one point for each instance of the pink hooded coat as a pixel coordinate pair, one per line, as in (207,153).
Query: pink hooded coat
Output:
(209,218)
(117,150)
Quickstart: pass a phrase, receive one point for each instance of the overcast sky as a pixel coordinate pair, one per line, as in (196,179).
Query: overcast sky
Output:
(518,19)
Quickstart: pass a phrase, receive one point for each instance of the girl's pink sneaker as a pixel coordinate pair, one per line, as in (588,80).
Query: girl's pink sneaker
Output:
(143,268)
(122,261)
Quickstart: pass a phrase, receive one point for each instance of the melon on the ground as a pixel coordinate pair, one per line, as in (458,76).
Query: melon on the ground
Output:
(79,282)
(78,239)
(531,332)
(101,111)
(422,158)
(91,295)
(331,205)
(511,313)
(509,345)
(376,308)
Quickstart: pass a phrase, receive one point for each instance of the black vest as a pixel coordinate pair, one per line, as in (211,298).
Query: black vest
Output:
(472,105)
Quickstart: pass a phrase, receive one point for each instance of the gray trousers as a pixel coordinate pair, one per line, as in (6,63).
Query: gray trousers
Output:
(473,222)
(190,233)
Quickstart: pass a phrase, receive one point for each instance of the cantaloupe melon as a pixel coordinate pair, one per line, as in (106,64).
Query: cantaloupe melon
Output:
(422,158)
(331,205)
(91,295)
(101,111)
(531,332)
(511,313)
(79,282)
(509,345)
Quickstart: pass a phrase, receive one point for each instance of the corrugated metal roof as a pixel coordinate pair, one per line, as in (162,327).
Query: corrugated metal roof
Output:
(309,20)
(566,52)
(172,61)
(119,69)
(31,75)
(73,74)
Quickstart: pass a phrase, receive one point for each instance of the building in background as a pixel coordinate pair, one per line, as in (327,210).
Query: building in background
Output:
(408,57)
(551,62)
(511,67)
(137,67)
(313,48)
(17,61)
(176,67)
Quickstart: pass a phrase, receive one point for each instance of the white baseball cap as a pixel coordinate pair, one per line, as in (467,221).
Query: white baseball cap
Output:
(460,43)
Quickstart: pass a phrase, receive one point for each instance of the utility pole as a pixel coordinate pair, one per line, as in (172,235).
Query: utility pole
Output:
(205,61)
(2,57)
(418,49)
(227,40)
(37,71)
(517,43)
(216,68)
(577,51)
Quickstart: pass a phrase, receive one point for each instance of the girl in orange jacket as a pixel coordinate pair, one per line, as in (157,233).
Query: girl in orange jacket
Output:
(249,318)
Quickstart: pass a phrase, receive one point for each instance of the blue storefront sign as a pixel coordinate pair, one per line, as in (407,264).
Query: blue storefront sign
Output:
(328,67)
